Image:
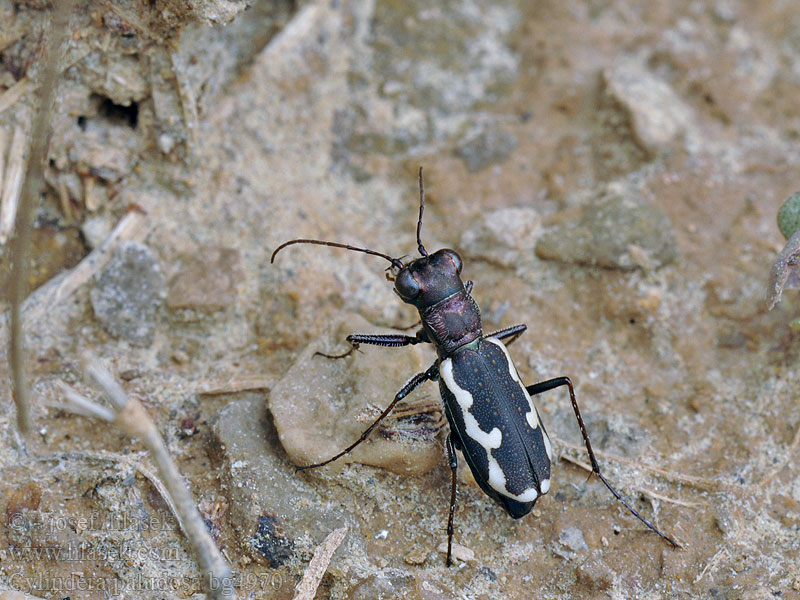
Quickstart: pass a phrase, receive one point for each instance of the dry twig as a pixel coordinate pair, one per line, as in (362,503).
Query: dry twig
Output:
(307,588)
(12,95)
(187,98)
(111,457)
(701,483)
(31,188)
(14,173)
(651,493)
(130,416)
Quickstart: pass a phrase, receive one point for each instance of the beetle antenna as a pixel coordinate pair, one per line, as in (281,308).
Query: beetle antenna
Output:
(420,247)
(395,262)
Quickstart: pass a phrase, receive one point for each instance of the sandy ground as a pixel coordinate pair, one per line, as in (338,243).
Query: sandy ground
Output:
(610,173)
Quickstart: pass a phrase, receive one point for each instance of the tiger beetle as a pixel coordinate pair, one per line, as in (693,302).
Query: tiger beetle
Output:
(493,420)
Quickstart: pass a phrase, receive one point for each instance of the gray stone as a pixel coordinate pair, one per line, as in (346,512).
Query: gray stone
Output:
(433,64)
(322,406)
(594,574)
(657,115)
(572,538)
(95,229)
(451,56)
(390,583)
(485,148)
(128,293)
(617,231)
(271,507)
(502,236)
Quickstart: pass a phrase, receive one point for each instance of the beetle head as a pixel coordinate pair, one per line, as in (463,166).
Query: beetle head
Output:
(425,281)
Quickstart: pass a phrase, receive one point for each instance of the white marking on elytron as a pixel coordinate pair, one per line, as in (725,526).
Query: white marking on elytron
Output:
(488,441)
(545,485)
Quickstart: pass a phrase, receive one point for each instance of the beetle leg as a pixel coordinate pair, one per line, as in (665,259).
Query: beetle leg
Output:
(353,348)
(432,373)
(390,340)
(512,332)
(550,384)
(451,456)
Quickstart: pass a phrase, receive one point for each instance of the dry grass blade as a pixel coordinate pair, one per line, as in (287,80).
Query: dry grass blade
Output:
(701,483)
(12,181)
(307,588)
(13,94)
(31,188)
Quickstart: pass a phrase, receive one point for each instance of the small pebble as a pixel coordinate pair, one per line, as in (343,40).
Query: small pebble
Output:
(95,229)
(25,498)
(594,574)
(386,585)
(270,506)
(656,113)
(128,293)
(322,405)
(572,538)
(459,552)
(428,589)
(271,542)
(502,236)
(417,556)
(485,148)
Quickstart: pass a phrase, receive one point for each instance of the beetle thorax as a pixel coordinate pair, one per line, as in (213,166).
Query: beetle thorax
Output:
(453,322)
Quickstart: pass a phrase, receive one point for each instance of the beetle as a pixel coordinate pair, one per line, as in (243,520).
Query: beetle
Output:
(493,420)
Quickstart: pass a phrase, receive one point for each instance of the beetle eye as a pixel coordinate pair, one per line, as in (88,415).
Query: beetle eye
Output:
(455,258)
(406,285)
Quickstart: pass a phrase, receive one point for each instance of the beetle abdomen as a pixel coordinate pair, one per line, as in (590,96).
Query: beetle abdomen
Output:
(496,425)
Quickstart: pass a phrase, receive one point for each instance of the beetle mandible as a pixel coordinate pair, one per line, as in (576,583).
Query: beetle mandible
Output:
(493,420)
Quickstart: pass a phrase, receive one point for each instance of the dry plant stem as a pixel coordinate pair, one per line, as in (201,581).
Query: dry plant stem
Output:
(133,420)
(111,457)
(307,588)
(187,98)
(701,483)
(234,384)
(130,416)
(12,182)
(657,496)
(3,144)
(31,188)
(651,493)
(13,94)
